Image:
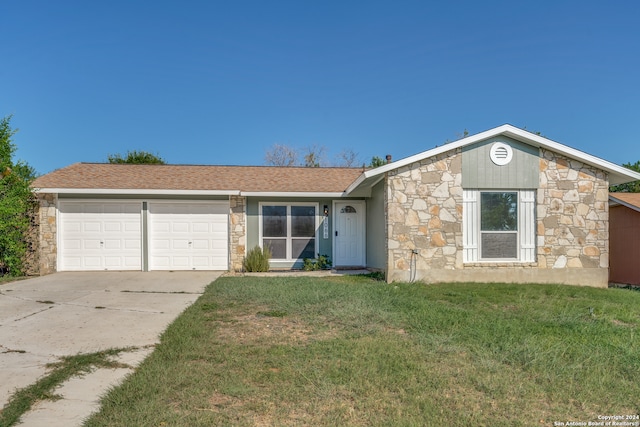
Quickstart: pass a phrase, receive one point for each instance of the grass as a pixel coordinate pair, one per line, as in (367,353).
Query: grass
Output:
(354,351)
(61,371)
(8,279)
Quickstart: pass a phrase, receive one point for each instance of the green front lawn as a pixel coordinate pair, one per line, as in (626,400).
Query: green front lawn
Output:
(352,351)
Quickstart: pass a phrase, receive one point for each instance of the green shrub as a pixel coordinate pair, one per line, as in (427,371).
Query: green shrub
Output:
(257,259)
(17,206)
(321,263)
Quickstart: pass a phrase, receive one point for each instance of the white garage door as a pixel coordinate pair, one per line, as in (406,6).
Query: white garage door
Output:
(100,235)
(188,235)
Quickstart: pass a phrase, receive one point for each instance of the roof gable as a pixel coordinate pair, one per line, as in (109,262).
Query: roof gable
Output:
(617,174)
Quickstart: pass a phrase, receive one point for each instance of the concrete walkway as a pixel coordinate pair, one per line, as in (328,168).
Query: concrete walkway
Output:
(64,314)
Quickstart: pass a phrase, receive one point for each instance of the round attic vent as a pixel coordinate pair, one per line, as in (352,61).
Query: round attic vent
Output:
(501,154)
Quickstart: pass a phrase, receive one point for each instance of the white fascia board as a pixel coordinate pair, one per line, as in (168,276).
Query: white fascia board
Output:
(623,203)
(291,194)
(528,137)
(355,184)
(137,191)
(512,132)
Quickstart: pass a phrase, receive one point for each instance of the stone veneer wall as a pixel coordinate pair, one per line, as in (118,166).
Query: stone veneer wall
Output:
(48,246)
(572,214)
(424,212)
(237,231)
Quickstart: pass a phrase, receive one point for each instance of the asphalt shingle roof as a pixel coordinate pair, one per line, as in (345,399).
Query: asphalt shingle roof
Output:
(629,198)
(107,176)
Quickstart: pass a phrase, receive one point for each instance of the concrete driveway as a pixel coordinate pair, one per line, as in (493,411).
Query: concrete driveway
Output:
(44,318)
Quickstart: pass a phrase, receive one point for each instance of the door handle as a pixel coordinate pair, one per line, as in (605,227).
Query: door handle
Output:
(336,233)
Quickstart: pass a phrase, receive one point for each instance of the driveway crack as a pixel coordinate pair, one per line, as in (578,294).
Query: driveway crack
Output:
(32,314)
(163,292)
(101,307)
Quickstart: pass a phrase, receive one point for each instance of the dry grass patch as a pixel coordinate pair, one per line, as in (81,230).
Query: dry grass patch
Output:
(255,328)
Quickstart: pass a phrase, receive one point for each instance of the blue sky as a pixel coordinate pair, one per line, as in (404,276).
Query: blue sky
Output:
(212,82)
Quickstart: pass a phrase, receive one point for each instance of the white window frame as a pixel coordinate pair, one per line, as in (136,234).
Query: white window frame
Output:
(526,233)
(288,237)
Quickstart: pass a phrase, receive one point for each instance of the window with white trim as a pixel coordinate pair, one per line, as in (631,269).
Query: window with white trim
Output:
(499,225)
(289,230)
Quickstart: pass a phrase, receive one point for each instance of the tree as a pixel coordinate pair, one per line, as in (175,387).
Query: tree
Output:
(285,155)
(347,158)
(17,205)
(376,162)
(315,156)
(137,158)
(281,155)
(630,187)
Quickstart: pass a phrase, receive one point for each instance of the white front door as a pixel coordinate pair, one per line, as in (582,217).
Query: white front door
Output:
(349,234)
(99,235)
(188,235)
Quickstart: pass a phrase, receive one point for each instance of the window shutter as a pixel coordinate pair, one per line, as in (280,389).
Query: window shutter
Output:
(470,221)
(527,226)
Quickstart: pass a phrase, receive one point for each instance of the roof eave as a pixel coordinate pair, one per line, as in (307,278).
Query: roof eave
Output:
(141,191)
(623,203)
(116,192)
(314,194)
(617,174)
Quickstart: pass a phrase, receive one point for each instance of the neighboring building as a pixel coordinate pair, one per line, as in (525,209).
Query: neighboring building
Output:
(624,238)
(502,205)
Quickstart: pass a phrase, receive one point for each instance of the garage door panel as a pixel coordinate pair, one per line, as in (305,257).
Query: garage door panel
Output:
(198,235)
(89,244)
(130,227)
(201,262)
(201,227)
(132,262)
(112,244)
(179,227)
(219,234)
(73,227)
(91,227)
(113,262)
(94,262)
(161,227)
(72,243)
(179,244)
(201,244)
(100,235)
(161,244)
(180,262)
(113,226)
(132,244)
(73,262)
(161,262)
(219,227)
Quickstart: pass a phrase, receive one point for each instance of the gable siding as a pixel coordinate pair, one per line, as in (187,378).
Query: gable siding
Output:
(479,171)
